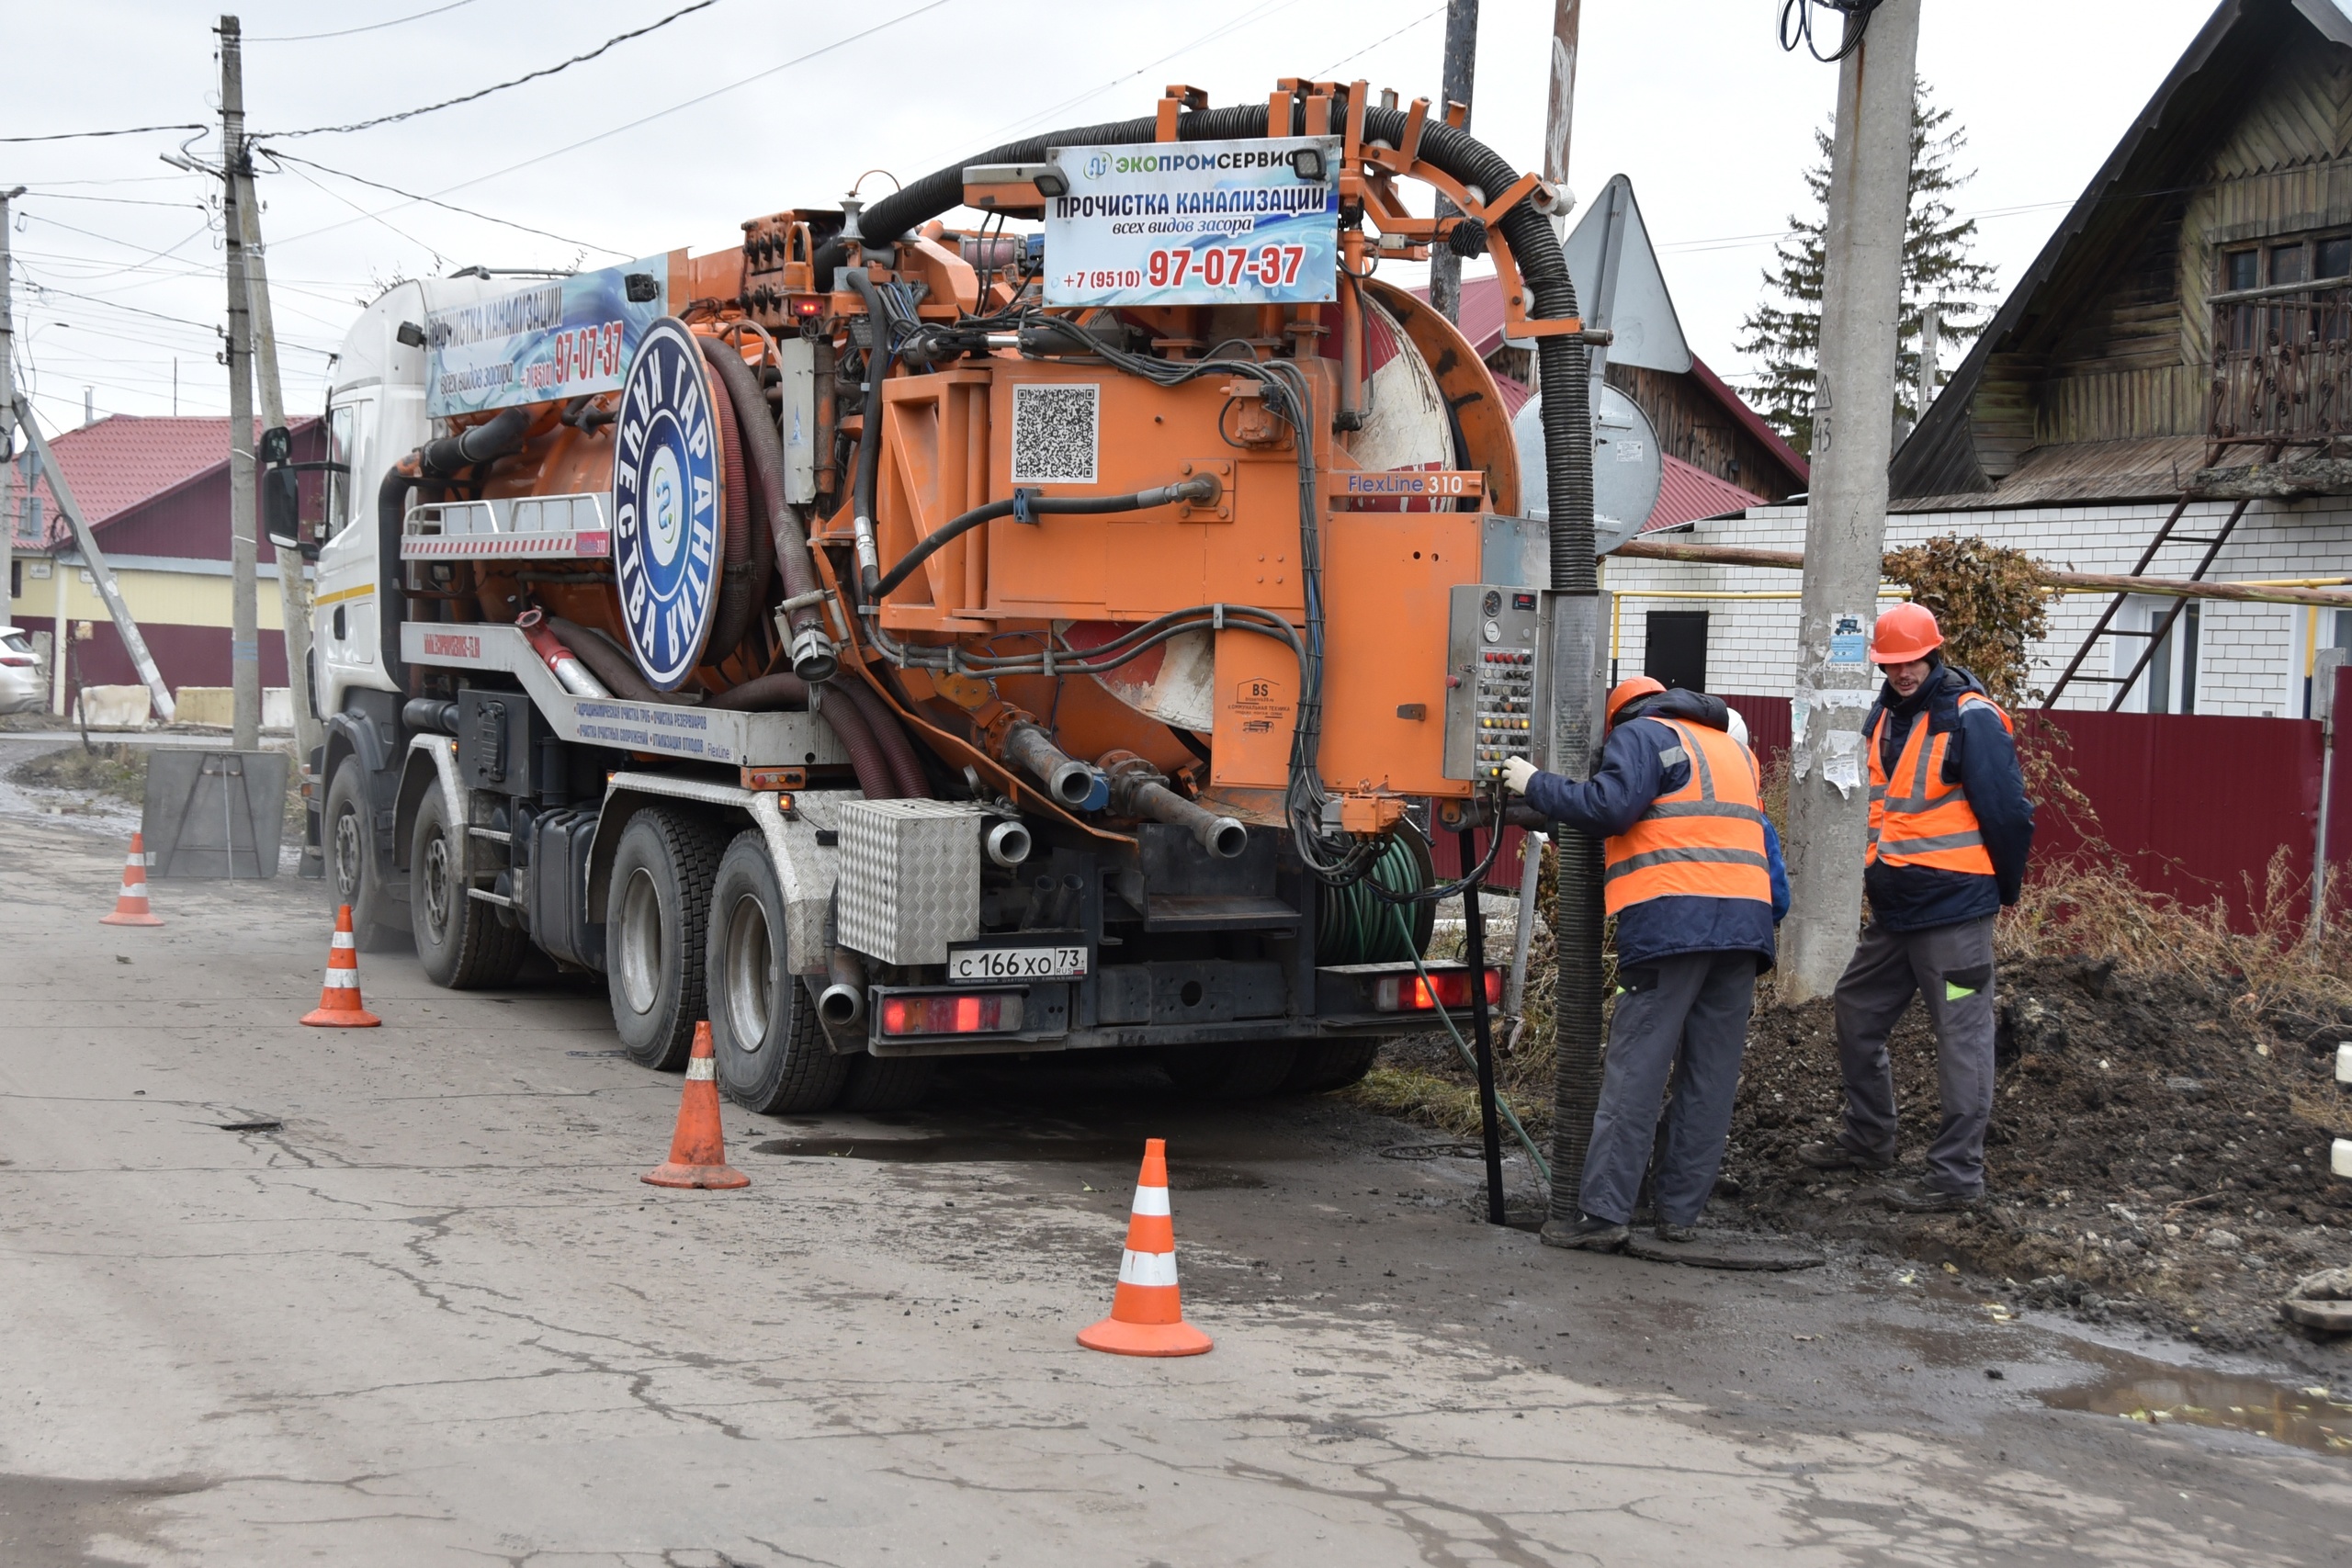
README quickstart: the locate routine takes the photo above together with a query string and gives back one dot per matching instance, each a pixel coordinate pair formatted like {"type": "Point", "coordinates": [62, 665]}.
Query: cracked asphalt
{"type": "Point", "coordinates": [433, 1317]}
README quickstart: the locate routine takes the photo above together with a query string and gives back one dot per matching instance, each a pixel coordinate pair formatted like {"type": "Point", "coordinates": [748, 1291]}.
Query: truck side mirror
{"type": "Point", "coordinates": [281, 504]}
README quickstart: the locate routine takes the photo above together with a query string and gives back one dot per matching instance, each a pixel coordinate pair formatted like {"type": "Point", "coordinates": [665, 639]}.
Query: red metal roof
{"type": "Point", "coordinates": [126, 460]}
{"type": "Point", "coordinates": [1685, 493]}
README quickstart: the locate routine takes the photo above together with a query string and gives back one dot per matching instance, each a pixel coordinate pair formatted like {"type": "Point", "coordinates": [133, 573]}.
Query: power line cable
{"type": "Point", "coordinates": [370, 27]}
{"type": "Point", "coordinates": [430, 202]}
{"type": "Point", "coordinates": [85, 135]}
{"type": "Point", "coordinates": [493, 87]}
{"type": "Point", "coordinates": [1325, 74]}
{"type": "Point", "coordinates": [1220, 31]}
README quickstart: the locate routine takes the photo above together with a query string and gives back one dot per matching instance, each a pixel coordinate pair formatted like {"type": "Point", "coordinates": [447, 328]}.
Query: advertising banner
{"type": "Point", "coordinates": [1196, 223]}
{"type": "Point", "coordinates": [564, 337]}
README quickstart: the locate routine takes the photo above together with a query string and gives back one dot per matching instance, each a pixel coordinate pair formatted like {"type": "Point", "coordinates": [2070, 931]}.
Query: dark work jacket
{"type": "Point", "coordinates": [1983, 760]}
{"type": "Point", "coordinates": [1630, 777]}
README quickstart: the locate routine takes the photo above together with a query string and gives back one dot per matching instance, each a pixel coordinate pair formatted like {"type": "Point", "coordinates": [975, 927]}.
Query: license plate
{"type": "Point", "coordinates": [1017, 964]}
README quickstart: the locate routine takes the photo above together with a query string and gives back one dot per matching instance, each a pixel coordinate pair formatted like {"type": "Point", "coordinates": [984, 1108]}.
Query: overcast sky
{"type": "Point", "coordinates": [119, 256]}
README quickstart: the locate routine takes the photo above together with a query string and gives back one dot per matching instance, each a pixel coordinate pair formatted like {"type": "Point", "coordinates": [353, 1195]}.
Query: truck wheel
{"type": "Point", "coordinates": [657, 923]}
{"type": "Point", "coordinates": [887, 1083]}
{"type": "Point", "coordinates": [773, 1053]}
{"type": "Point", "coordinates": [345, 827]}
{"type": "Point", "coordinates": [1325, 1065]}
{"type": "Point", "coordinates": [1230, 1072]}
{"type": "Point", "coordinates": [461, 940]}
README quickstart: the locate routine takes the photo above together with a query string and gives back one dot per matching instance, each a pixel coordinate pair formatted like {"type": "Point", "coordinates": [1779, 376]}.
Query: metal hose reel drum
{"type": "Point", "coordinates": [1627, 467]}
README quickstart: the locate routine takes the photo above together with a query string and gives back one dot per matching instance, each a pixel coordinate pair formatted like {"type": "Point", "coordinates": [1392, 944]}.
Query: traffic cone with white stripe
{"type": "Point", "coordinates": [1146, 1311]}
{"type": "Point", "coordinates": [130, 905]}
{"type": "Point", "coordinates": [339, 1005]}
{"type": "Point", "coordinates": [699, 1149]}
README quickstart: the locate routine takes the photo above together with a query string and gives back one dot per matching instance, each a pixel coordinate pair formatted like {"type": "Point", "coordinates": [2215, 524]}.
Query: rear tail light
{"type": "Point", "coordinates": [989, 1013]}
{"type": "Point", "coordinates": [1445, 989]}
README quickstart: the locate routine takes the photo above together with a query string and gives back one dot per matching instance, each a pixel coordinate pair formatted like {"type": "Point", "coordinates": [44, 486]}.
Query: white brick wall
{"type": "Point", "coordinates": [2253, 659]}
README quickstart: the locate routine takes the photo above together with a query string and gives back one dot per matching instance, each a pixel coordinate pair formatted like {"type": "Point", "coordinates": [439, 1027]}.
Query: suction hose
{"type": "Point", "coordinates": [763, 693]}
{"type": "Point", "coordinates": [1138, 789]}
{"type": "Point", "coordinates": [897, 752]}
{"type": "Point", "coordinates": [875, 780]}
{"type": "Point", "coordinates": [736, 528]}
{"type": "Point", "coordinates": [812, 654]}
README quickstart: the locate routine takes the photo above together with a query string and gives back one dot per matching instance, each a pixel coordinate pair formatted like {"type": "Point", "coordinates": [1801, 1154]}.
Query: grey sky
{"type": "Point", "coordinates": [1692, 98]}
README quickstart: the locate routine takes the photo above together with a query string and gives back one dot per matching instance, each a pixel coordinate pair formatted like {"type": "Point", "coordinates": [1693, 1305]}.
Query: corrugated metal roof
{"type": "Point", "coordinates": [1685, 493]}
{"type": "Point", "coordinates": [126, 460]}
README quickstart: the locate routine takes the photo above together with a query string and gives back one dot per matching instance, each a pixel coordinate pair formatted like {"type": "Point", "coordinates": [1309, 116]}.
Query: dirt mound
{"type": "Point", "coordinates": [2159, 1146]}
{"type": "Point", "coordinates": [105, 768]}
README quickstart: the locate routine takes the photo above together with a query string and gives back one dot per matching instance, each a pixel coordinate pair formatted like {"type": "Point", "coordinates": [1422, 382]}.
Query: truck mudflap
{"type": "Point", "coordinates": [798, 845]}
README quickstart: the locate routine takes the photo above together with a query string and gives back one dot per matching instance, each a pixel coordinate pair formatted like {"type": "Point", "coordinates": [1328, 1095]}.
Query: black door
{"type": "Point", "coordinates": [1674, 654]}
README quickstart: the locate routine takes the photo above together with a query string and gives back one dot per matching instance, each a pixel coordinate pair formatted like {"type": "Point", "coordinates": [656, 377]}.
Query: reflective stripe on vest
{"type": "Point", "coordinates": [1706, 840]}
{"type": "Point", "coordinates": [1916, 817]}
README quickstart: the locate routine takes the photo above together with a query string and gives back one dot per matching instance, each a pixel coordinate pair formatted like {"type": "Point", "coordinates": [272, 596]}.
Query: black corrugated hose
{"type": "Point", "coordinates": [1564, 381]}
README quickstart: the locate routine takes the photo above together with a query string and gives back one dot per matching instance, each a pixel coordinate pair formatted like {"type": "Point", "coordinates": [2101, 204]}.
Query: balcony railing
{"type": "Point", "coordinates": [2282, 364]}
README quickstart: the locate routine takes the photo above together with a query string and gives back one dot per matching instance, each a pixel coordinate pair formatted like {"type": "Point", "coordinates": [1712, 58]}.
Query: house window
{"type": "Point", "coordinates": [2168, 685]}
{"type": "Point", "coordinates": [2281, 263]}
{"type": "Point", "coordinates": [1674, 650]}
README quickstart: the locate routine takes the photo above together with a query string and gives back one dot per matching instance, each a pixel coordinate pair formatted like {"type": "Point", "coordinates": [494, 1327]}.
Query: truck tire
{"type": "Point", "coordinates": [1326, 1064]}
{"type": "Point", "coordinates": [461, 940]}
{"type": "Point", "coordinates": [773, 1053]}
{"type": "Point", "coordinates": [887, 1083]}
{"type": "Point", "coordinates": [1230, 1072]}
{"type": "Point", "coordinates": [346, 833]}
{"type": "Point", "coordinates": [656, 925]}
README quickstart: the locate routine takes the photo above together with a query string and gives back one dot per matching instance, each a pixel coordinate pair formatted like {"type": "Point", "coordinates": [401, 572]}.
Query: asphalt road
{"type": "Point", "coordinates": [431, 1317]}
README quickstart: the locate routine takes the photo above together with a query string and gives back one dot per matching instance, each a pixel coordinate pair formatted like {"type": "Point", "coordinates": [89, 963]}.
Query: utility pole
{"type": "Point", "coordinates": [1931, 323]}
{"type": "Point", "coordinates": [1562, 108]}
{"type": "Point", "coordinates": [1461, 65]}
{"type": "Point", "coordinates": [244, 634]}
{"type": "Point", "coordinates": [9, 412]}
{"type": "Point", "coordinates": [1870, 171]}
{"type": "Point", "coordinates": [293, 591]}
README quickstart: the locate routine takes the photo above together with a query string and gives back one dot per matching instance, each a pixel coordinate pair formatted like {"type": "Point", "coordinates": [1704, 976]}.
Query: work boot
{"type": "Point", "coordinates": [1907, 1197]}
{"type": "Point", "coordinates": [1587, 1232]}
{"type": "Point", "coordinates": [1838, 1157]}
{"type": "Point", "coordinates": [1678, 1234]}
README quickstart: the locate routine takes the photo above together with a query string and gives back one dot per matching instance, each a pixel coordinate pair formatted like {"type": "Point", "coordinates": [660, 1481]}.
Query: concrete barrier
{"type": "Point", "coordinates": [116, 707]}
{"type": "Point", "coordinates": [215, 707]}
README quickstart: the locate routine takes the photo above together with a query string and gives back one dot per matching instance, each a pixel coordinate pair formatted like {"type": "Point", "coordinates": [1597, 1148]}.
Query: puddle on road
{"type": "Point", "coordinates": [2160, 1395]}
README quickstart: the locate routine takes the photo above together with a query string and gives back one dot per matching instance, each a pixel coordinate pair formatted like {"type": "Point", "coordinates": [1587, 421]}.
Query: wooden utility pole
{"type": "Point", "coordinates": [7, 413]}
{"type": "Point", "coordinates": [1869, 176]}
{"type": "Point", "coordinates": [1461, 65]}
{"type": "Point", "coordinates": [1562, 109]}
{"type": "Point", "coordinates": [293, 590]}
{"type": "Point", "coordinates": [244, 633]}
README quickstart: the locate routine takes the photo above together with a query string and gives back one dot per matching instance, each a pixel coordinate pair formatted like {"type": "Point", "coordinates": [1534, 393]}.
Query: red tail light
{"type": "Point", "coordinates": [1443, 988]}
{"type": "Point", "coordinates": [987, 1014]}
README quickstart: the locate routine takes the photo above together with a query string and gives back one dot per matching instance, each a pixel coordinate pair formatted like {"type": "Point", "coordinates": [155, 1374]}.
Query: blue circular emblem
{"type": "Point", "coordinates": [665, 504]}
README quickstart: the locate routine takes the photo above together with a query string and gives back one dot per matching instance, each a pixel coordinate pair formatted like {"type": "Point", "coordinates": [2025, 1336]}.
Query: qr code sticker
{"type": "Point", "coordinates": [1056, 434]}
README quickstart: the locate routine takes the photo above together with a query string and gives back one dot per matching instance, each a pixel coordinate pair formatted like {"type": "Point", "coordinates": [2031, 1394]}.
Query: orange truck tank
{"type": "Point", "coordinates": [903, 635]}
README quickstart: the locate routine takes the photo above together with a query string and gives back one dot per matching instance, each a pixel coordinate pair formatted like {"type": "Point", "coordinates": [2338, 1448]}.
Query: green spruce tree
{"type": "Point", "coordinates": [1784, 330]}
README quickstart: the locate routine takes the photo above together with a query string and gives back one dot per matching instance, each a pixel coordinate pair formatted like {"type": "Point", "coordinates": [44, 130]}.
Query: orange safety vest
{"type": "Point", "coordinates": [1706, 840]}
{"type": "Point", "coordinates": [1931, 823]}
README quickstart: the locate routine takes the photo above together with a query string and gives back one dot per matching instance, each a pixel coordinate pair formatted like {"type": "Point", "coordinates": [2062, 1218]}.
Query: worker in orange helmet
{"type": "Point", "coordinates": [1949, 831]}
{"type": "Point", "coordinates": [1694, 878]}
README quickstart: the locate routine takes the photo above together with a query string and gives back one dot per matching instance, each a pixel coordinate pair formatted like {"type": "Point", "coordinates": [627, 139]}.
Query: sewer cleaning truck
{"type": "Point", "coordinates": [887, 639]}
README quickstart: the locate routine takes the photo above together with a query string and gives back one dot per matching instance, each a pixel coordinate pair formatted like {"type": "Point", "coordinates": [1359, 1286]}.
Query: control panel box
{"type": "Point", "coordinates": [1493, 639]}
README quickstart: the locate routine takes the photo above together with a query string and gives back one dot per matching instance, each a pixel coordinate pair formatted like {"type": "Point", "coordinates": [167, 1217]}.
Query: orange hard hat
{"type": "Point", "coordinates": [1906, 634]}
{"type": "Point", "coordinates": [1624, 692]}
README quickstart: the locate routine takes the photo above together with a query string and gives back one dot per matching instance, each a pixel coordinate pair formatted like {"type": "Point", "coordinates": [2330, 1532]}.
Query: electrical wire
{"type": "Point", "coordinates": [1543, 1166]}
{"type": "Point", "coordinates": [1325, 74]}
{"type": "Point", "coordinates": [370, 27]}
{"type": "Point", "coordinates": [494, 87]}
{"type": "Point", "coordinates": [1796, 25]}
{"type": "Point", "coordinates": [430, 202]}
{"type": "Point", "coordinates": [1222, 29]}
{"type": "Point", "coordinates": [85, 135]}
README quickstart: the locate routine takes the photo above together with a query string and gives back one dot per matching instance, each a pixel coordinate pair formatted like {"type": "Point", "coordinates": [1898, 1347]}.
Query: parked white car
{"type": "Point", "coordinates": [21, 688]}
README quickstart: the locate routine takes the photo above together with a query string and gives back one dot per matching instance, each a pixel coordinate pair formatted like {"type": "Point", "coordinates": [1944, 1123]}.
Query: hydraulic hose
{"type": "Point", "coordinates": [763, 693]}
{"type": "Point", "coordinates": [813, 658]}
{"type": "Point", "coordinates": [848, 722]}
{"type": "Point", "coordinates": [906, 768]}
{"type": "Point", "coordinates": [391, 512]}
{"type": "Point", "coordinates": [869, 437]}
{"type": "Point", "coordinates": [1201, 487]}
{"type": "Point", "coordinates": [736, 527]}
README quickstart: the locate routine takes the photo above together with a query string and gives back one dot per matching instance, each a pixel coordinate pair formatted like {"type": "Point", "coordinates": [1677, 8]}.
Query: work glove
{"type": "Point", "coordinates": [1517, 770]}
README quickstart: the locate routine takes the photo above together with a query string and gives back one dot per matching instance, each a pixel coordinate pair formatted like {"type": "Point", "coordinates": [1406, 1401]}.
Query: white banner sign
{"type": "Point", "coordinates": [1196, 223]}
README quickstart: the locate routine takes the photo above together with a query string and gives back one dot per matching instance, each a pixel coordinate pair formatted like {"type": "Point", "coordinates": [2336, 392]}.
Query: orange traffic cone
{"type": "Point", "coordinates": [1146, 1311]}
{"type": "Point", "coordinates": [130, 905]}
{"type": "Point", "coordinates": [339, 1006]}
{"type": "Point", "coordinates": [698, 1150]}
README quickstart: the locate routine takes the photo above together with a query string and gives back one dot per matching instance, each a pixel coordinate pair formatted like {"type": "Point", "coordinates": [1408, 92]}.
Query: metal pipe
{"type": "Point", "coordinates": [1008, 844]}
{"type": "Point", "coordinates": [609, 665]}
{"type": "Point", "coordinates": [1138, 789]}
{"type": "Point", "coordinates": [1070, 781]}
{"type": "Point", "coordinates": [431, 714]}
{"type": "Point", "coordinates": [843, 1001]}
{"type": "Point", "coordinates": [575, 675]}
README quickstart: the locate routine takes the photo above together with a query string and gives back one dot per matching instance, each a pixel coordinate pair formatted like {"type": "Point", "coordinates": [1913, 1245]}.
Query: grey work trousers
{"type": "Point", "coordinates": [1686, 1016]}
{"type": "Point", "coordinates": [1951, 968]}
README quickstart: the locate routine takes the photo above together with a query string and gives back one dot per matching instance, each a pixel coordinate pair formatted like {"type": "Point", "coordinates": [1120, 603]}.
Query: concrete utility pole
{"type": "Point", "coordinates": [9, 411]}
{"type": "Point", "coordinates": [293, 590]}
{"type": "Point", "coordinates": [1870, 177]}
{"type": "Point", "coordinates": [1461, 65]}
{"type": "Point", "coordinates": [244, 634]}
{"type": "Point", "coordinates": [1562, 108]}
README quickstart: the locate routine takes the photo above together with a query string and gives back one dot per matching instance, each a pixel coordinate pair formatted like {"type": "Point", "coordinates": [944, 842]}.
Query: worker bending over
{"type": "Point", "coordinates": [1694, 878]}
{"type": "Point", "coordinates": [1949, 831]}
